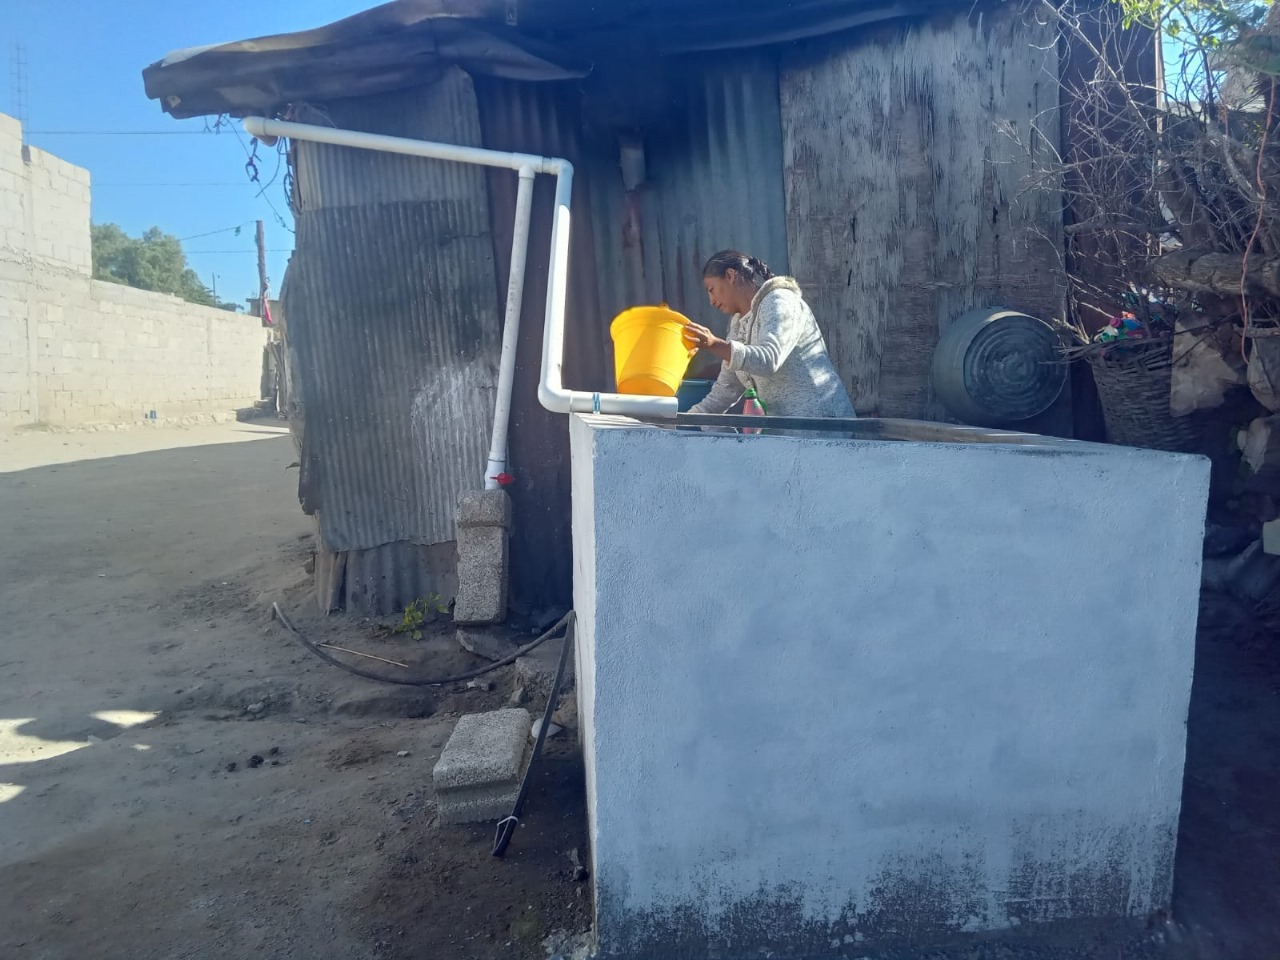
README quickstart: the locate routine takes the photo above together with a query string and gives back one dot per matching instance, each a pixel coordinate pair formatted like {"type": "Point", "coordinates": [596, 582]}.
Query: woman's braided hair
{"type": "Point", "coordinates": [746, 269]}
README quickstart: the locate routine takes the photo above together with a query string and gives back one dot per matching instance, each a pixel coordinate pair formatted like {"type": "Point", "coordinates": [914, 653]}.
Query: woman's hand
{"type": "Point", "coordinates": [701, 338]}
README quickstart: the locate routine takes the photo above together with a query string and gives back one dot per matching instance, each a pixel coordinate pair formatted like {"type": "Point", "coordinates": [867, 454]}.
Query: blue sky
{"type": "Point", "coordinates": [84, 73]}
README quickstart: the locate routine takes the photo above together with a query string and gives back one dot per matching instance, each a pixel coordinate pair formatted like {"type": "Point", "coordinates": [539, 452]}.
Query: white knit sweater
{"type": "Point", "coordinates": [778, 350]}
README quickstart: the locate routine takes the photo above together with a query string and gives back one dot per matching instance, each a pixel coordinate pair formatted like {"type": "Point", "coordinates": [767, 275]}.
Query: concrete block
{"type": "Point", "coordinates": [483, 519]}
{"type": "Point", "coordinates": [484, 508]}
{"type": "Point", "coordinates": [478, 775]}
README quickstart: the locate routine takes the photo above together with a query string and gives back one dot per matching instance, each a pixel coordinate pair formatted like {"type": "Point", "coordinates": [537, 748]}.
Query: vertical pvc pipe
{"type": "Point", "coordinates": [497, 463]}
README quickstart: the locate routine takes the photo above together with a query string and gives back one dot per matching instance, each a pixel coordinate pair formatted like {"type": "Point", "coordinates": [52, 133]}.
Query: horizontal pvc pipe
{"type": "Point", "coordinates": [262, 127]}
{"type": "Point", "coordinates": [551, 391]}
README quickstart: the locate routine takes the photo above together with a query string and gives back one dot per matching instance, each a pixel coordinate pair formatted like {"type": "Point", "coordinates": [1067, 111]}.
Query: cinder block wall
{"type": "Point", "coordinates": [75, 351]}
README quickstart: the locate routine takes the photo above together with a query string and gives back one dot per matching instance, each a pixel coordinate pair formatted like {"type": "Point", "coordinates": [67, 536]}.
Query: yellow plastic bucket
{"type": "Point", "coordinates": [650, 355]}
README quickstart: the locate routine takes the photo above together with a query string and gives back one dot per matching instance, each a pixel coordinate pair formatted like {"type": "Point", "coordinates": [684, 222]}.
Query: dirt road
{"type": "Point", "coordinates": [178, 778]}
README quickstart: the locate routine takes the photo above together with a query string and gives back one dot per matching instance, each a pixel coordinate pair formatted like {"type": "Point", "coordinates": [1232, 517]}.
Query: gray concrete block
{"type": "Point", "coordinates": [478, 775]}
{"type": "Point", "coordinates": [482, 557]}
{"type": "Point", "coordinates": [484, 749]}
{"type": "Point", "coordinates": [477, 806]}
{"type": "Point", "coordinates": [484, 508]}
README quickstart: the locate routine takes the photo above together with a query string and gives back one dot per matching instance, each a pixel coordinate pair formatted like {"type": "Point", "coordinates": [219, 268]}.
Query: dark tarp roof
{"type": "Point", "coordinates": [406, 43]}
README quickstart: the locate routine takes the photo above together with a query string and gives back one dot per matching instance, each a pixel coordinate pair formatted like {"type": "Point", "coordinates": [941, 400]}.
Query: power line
{"type": "Point", "coordinates": [212, 233]}
{"type": "Point", "coordinates": [251, 167]}
{"type": "Point", "coordinates": [212, 183]}
{"type": "Point", "coordinates": [254, 252]}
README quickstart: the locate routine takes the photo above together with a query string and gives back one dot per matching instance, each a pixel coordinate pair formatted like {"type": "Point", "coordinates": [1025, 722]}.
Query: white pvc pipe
{"type": "Point", "coordinates": [497, 464]}
{"type": "Point", "coordinates": [551, 391]}
{"type": "Point", "coordinates": [263, 128]}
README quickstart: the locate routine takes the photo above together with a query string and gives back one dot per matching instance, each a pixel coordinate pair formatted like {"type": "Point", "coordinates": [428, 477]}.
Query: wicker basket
{"type": "Point", "coordinates": [1134, 381]}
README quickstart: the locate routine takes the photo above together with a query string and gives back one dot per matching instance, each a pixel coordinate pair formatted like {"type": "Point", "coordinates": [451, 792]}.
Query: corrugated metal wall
{"type": "Point", "coordinates": [714, 181]}
{"type": "Point", "coordinates": [395, 331]}
{"type": "Point", "coordinates": [895, 207]}
{"type": "Point", "coordinates": [544, 119]}
{"type": "Point", "coordinates": [907, 199]}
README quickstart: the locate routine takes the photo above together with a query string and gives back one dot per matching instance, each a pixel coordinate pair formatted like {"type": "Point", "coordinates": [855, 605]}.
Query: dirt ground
{"type": "Point", "coordinates": [179, 779]}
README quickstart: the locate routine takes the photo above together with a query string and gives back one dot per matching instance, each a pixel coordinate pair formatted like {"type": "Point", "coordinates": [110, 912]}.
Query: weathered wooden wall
{"type": "Point", "coordinates": [907, 199]}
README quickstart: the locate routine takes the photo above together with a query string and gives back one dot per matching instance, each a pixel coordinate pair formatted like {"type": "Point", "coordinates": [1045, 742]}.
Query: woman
{"type": "Point", "coordinates": [774, 345]}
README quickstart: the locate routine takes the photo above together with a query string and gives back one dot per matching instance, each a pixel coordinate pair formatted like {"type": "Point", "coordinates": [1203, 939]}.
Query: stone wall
{"type": "Point", "coordinates": [839, 696]}
{"type": "Point", "coordinates": [76, 351]}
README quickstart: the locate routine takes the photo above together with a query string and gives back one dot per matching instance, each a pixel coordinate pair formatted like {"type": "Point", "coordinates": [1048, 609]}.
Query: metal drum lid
{"type": "Point", "coordinates": [996, 367]}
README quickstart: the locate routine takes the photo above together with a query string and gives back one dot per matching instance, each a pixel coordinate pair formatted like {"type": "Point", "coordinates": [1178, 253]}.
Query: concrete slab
{"type": "Point", "coordinates": [478, 775]}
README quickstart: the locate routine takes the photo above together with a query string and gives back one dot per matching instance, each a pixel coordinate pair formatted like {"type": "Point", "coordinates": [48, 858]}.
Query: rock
{"type": "Point", "coordinates": [275, 695]}
{"type": "Point", "coordinates": [1221, 540]}
{"type": "Point", "coordinates": [536, 670]}
{"type": "Point", "coordinates": [563, 945]}
{"type": "Point", "coordinates": [1250, 576]}
{"type": "Point", "coordinates": [546, 618]}
{"type": "Point", "coordinates": [1271, 538]}
{"type": "Point", "coordinates": [231, 767]}
{"type": "Point", "coordinates": [518, 696]}
{"type": "Point", "coordinates": [494, 643]}
{"type": "Point", "coordinates": [255, 761]}
{"type": "Point", "coordinates": [480, 684]}
{"type": "Point", "coordinates": [402, 753]}
{"type": "Point", "coordinates": [567, 715]}
{"type": "Point", "coordinates": [273, 751]}
{"type": "Point", "coordinates": [579, 872]}
{"type": "Point", "coordinates": [552, 730]}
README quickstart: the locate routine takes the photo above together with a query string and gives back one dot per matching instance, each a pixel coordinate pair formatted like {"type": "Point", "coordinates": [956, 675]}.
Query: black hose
{"type": "Point", "coordinates": [327, 657]}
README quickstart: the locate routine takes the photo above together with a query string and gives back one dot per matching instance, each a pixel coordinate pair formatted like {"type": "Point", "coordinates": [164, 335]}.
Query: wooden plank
{"type": "Point", "coordinates": [906, 204]}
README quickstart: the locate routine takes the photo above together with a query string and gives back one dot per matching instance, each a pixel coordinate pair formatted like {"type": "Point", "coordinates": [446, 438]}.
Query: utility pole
{"type": "Point", "coordinates": [264, 306]}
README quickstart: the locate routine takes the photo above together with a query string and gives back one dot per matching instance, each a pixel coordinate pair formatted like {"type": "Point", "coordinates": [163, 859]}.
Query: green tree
{"type": "Point", "coordinates": [154, 261]}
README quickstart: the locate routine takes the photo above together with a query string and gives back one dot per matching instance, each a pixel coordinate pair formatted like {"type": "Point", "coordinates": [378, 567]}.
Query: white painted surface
{"type": "Point", "coordinates": [875, 690]}
{"type": "Point", "coordinates": [77, 351]}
